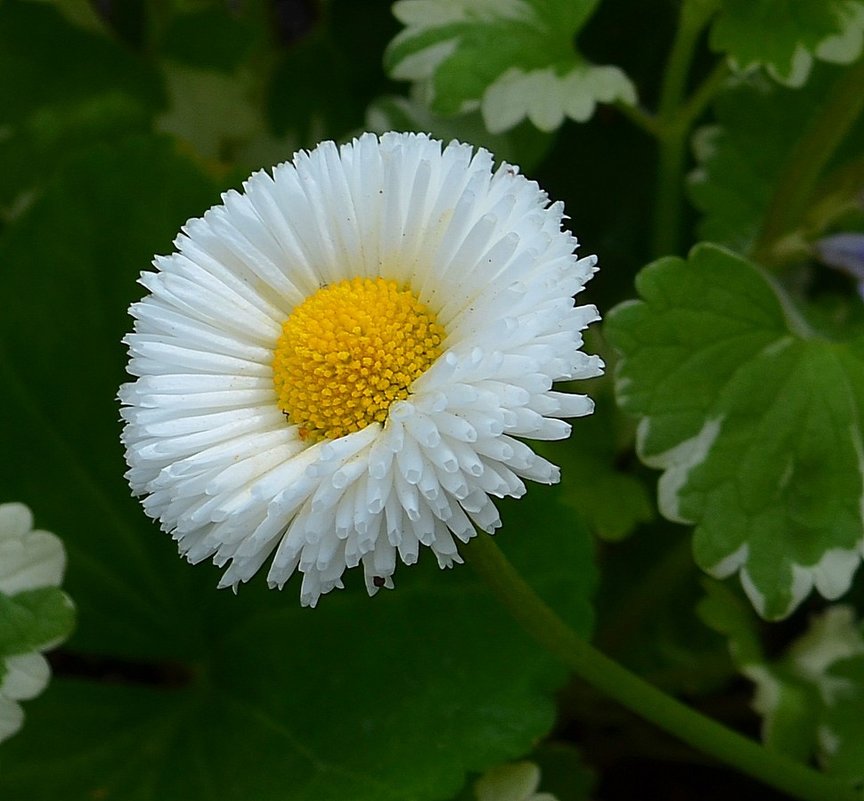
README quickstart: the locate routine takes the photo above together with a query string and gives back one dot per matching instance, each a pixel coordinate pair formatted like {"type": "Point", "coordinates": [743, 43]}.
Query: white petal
{"type": "Point", "coordinates": [220, 466]}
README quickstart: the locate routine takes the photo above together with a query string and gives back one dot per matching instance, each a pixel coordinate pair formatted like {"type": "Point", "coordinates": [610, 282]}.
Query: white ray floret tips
{"type": "Point", "coordinates": [338, 365]}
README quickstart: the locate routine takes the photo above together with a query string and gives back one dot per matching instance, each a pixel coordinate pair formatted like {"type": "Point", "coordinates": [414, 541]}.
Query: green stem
{"type": "Point", "coordinates": [611, 678]}
{"type": "Point", "coordinates": [703, 94]}
{"type": "Point", "coordinates": [639, 117]}
{"type": "Point", "coordinates": [674, 127]}
{"type": "Point", "coordinates": [794, 188]}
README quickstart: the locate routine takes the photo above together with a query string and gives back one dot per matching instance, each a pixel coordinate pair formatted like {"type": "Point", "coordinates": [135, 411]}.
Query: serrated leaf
{"type": "Point", "coordinates": [34, 613]}
{"type": "Point", "coordinates": [741, 157]}
{"type": "Point", "coordinates": [785, 36]}
{"type": "Point", "coordinates": [511, 60]}
{"type": "Point", "coordinates": [274, 702]}
{"type": "Point", "coordinates": [755, 421]}
{"type": "Point", "coordinates": [785, 702]}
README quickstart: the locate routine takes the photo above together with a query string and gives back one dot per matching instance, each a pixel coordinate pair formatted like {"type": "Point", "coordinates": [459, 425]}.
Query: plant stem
{"type": "Point", "coordinates": [639, 117]}
{"type": "Point", "coordinates": [674, 127]}
{"type": "Point", "coordinates": [611, 678]}
{"type": "Point", "coordinates": [842, 107]}
{"type": "Point", "coordinates": [703, 94]}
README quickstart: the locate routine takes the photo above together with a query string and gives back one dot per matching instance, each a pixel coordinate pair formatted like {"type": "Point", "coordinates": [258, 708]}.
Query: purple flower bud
{"type": "Point", "coordinates": [843, 252]}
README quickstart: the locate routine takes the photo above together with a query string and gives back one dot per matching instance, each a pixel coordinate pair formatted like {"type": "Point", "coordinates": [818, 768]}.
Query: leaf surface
{"type": "Point", "coordinates": [741, 158]}
{"type": "Point", "coordinates": [755, 421]}
{"type": "Point", "coordinates": [785, 36]}
{"type": "Point", "coordinates": [811, 698]}
{"type": "Point", "coordinates": [512, 60]}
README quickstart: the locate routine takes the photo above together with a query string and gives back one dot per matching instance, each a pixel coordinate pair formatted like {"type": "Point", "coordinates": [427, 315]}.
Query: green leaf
{"type": "Point", "coordinates": [741, 158]}
{"type": "Point", "coordinates": [785, 36]}
{"type": "Point", "coordinates": [842, 731]}
{"type": "Point", "coordinates": [34, 613]}
{"type": "Point", "coordinates": [343, 53]}
{"type": "Point", "coordinates": [511, 60]}
{"type": "Point", "coordinates": [72, 262]}
{"type": "Point", "coordinates": [34, 620]}
{"type": "Point", "coordinates": [215, 113]}
{"type": "Point", "coordinates": [53, 61]}
{"type": "Point", "coordinates": [610, 499]}
{"type": "Point", "coordinates": [523, 144]}
{"type": "Point", "coordinates": [214, 79]}
{"type": "Point", "coordinates": [212, 38]}
{"type": "Point", "coordinates": [723, 611]}
{"type": "Point", "coordinates": [755, 421]}
{"type": "Point", "coordinates": [811, 699]}
{"type": "Point", "coordinates": [330, 703]}
{"type": "Point", "coordinates": [68, 89]}
{"type": "Point", "coordinates": [783, 699]}
{"type": "Point", "coordinates": [563, 772]}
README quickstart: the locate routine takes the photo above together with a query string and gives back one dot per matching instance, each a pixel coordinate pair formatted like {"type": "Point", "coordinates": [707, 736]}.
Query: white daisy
{"type": "Point", "coordinates": [336, 364]}
{"type": "Point", "coordinates": [29, 560]}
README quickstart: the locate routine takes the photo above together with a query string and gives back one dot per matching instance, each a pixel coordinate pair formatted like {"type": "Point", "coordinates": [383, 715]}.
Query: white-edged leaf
{"type": "Point", "coordinates": [514, 60]}
{"type": "Point", "coordinates": [785, 36]}
{"type": "Point", "coordinates": [755, 421]}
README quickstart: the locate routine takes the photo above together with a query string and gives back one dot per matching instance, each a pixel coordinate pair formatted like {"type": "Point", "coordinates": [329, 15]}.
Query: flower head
{"type": "Point", "coordinates": [337, 364]}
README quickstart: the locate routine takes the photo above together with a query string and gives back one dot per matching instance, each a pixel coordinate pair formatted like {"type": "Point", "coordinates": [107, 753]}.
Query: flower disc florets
{"type": "Point", "coordinates": [348, 352]}
{"type": "Point", "coordinates": [337, 365]}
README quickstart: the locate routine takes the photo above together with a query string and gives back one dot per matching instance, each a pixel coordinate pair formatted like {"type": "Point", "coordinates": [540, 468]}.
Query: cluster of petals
{"type": "Point", "coordinates": [231, 478]}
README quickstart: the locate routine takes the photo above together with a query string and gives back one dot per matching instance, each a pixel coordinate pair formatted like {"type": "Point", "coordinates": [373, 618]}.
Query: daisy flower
{"type": "Point", "coordinates": [337, 365]}
{"type": "Point", "coordinates": [29, 560]}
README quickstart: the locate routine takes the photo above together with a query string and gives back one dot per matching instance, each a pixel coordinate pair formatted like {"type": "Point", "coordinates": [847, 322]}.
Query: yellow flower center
{"type": "Point", "coordinates": [348, 352]}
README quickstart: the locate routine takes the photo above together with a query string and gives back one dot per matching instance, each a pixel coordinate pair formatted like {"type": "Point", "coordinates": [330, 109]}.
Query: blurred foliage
{"type": "Point", "coordinates": [741, 157]}
{"type": "Point", "coordinates": [785, 37]}
{"type": "Point", "coordinates": [121, 119]}
{"type": "Point", "coordinates": [809, 697]}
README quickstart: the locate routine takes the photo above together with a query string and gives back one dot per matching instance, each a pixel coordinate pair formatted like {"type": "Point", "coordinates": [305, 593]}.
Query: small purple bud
{"type": "Point", "coordinates": [843, 252]}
